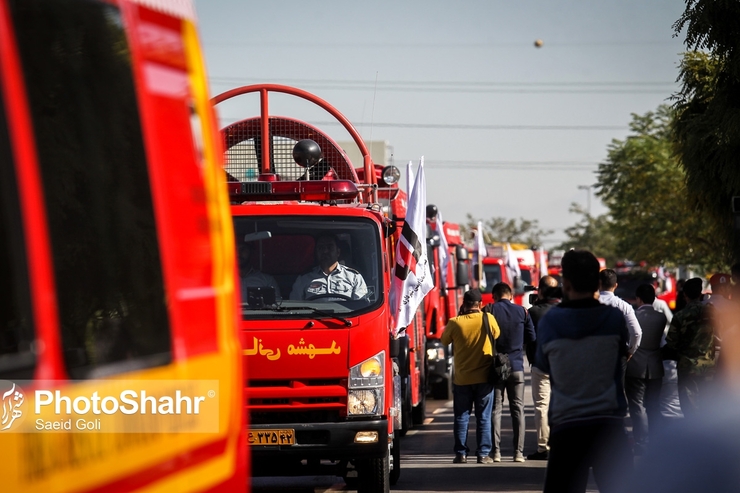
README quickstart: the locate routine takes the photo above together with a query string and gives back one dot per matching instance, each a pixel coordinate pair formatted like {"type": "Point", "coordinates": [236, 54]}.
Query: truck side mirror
{"type": "Point", "coordinates": [462, 276]}
{"type": "Point", "coordinates": [476, 274]}
{"type": "Point", "coordinates": [461, 252]}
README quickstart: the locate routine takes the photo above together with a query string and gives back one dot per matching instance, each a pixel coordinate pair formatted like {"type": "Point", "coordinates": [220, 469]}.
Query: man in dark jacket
{"type": "Point", "coordinates": [644, 374]}
{"type": "Point", "coordinates": [548, 295]}
{"type": "Point", "coordinates": [582, 345]}
{"type": "Point", "coordinates": [691, 339]}
{"type": "Point", "coordinates": [516, 330]}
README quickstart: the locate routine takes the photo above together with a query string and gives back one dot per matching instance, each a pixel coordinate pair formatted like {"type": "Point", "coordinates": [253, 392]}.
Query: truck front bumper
{"type": "Point", "coordinates": [326, 441]}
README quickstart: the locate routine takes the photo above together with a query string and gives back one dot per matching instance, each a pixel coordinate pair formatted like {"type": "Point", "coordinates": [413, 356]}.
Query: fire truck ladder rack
{"type": "Point", "coordinates": [259, 150]}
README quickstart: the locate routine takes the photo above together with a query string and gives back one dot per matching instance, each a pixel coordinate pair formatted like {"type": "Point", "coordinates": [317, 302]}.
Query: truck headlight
{"type": "Point", "coordinates": [367, 387]}
{"type": "Point", "coordinates": [362, 402]}
{"type": "Point", "coordinates": [436, 354]}
{"type": "Point", "coordinates": [369, 373]}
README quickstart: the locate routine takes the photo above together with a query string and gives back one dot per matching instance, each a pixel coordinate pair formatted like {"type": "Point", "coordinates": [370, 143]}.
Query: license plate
{"type": "Point", "coordinates": [272, 437]}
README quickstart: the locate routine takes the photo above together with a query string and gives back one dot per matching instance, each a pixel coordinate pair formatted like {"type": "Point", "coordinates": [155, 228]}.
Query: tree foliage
{"type": "Point", "coordinates": [707, 125]}
{"type": "Point", "coordinates": [593, 233]}
{"type": "Point", "coordinates": [644, 187]}
{"type": "Point", "coordinates": [500, 229]}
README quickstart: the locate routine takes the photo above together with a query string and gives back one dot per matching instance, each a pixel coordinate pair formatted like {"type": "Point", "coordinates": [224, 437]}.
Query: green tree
{"type": "Point", "coordinates": [591, 233]}
{"type": "Point", "coordinates": [644, 187]}
{"type": "Point", "coordinates": [707, 126]}
{"type": "Point", "coordinates": [500, 229]}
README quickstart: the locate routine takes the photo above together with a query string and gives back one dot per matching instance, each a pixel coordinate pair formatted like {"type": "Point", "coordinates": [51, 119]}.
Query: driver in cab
{"type": "Point", "coordinates": [329, 276]}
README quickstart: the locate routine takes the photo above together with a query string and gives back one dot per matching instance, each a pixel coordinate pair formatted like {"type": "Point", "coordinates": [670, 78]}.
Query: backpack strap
{"type": "Point", "coordinates": [486, 327]}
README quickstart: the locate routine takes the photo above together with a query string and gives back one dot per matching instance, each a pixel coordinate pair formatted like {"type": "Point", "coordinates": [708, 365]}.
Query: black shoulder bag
{"type": "Point", "coordinates": [500, 369]}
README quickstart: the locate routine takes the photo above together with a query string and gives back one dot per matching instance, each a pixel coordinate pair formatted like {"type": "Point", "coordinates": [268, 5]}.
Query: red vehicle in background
{"type": "Point", "coordinates": [631, 274]}
{"type": "Point", "coordinates": [495, 271]}
{"type": "Point", "coordinates": [326, 373]}
{"type": "Point", "coordinates": [116, 248]}
{"type": "Point", "coordinates": [451, 280]}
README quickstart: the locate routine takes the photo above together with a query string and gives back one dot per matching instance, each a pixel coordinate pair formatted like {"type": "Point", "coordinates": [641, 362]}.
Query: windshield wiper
{"type": "Point", "coordinates": [347, 323]}
{"type": "Point", "coordinates": [316, 311]}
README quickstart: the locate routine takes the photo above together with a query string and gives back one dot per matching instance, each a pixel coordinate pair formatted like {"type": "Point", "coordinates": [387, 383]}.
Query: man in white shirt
{"type": "Point", "coordinates": [670, 407]}
{"type": "Point", "coordinates": [607, 285]}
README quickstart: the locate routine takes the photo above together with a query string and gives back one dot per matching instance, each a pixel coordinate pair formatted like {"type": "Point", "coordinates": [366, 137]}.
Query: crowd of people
{"type": "Point", "coordinates": [607, 377]}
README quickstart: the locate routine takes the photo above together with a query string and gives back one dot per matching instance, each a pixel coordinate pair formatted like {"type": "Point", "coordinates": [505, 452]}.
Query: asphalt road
{"type": "Point", "coordinates": [426, 461]}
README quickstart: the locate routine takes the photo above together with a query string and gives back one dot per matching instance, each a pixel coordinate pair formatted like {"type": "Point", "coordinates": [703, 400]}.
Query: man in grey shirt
{"type": "Point", "coordinates": [329, 277]}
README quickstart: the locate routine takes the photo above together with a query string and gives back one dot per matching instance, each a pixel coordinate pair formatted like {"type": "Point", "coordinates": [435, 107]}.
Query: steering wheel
{"type": "Point", "coordinates": [330, 295]}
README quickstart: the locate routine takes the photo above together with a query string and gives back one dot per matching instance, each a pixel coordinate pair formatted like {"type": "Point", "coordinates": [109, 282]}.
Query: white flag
{"type": "Point", "coordinates": [480, 252]}
{"type": "Point", "coordinates": [444, 249]}
{"type": "Point", "coordinates": [543, 264]}
{"type": "Point", "coordinates": [512, 263]}
{"type": "Point", "coordinates": [409, 179]}
{"type": "Point", "coordinates": [412, 278]}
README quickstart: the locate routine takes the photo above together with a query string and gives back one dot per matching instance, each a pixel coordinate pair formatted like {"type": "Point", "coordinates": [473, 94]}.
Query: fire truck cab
{"type": "Point", "coordinates": [325, 393]}
{"type": "Point", "coordinates": [495, 270]}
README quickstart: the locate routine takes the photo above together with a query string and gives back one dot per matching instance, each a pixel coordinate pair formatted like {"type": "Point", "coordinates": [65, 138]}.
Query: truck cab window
{"type": "Point", "coordinates": [290, 256]}
{"type": "Point", "coordinates": [107, 270]}
{"type": "Point", "coordinates": [493, 276]}
{"type": "Point", "coordinates": [16, 324]}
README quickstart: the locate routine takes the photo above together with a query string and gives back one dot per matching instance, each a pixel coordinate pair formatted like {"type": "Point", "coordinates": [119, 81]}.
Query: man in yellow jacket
{"type": "Point", "coordinates": [473, 356]}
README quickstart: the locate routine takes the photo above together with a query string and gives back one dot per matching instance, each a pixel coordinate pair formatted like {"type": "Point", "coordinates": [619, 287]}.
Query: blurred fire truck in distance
{"type": "Point", "coordinates": [631, 274]}
{"type": "Point", "coordinates": [116, 243]}
{"type": "Point", "coordinates": [495, 270]}
{"type": "Point", "coordinates": [451, 280]}
{"type": "Point", "coordinates": [326, 373]}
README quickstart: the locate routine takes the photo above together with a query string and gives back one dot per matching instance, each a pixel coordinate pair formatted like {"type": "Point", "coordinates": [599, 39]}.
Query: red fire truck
{"type": "Point", "coordinates": [443, 301]}
{"type": "Point", "coordinates": [631, 274]}
{"type": "Point", "coordinates": [116, 250]}
{"type": "Point", "coordinates": [325, 373]}
{"type": "Point", "coordinates": [495, 270]}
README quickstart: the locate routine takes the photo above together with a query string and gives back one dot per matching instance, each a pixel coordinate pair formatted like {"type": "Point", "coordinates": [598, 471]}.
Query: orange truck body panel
{"type": "Point", "coordinates": [63, 97]}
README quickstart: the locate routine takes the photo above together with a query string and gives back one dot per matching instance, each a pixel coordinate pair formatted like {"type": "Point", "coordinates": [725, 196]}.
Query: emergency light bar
{"type": "Point", "coordinates": [318, 190]}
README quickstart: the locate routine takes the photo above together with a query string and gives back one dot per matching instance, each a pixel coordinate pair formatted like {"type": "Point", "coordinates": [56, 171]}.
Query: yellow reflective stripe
{"type": "Point", "coordinates": [220, 225]}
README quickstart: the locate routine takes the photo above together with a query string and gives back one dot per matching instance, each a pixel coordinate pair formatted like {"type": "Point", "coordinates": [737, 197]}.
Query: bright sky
{"type": "Point", "coordinates": [506, 129]}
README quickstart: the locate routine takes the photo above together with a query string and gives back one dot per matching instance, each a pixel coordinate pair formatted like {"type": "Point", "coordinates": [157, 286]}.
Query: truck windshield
{"type": "Point", "coordinates": [493, 276]}
{"type": "Point", "coordinates": [627, 284]}
{"type": "Point", "coordinates": [308, 267]}
{"type": "Point", "coordinates": [524, 280]}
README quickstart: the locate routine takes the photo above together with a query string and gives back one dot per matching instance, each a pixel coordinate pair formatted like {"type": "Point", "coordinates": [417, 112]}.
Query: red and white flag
{"type": "Point", "coordinates": [478, 254]}
{"type": "Point", "coordinates": [444, 249]}
{"type": "Point", "coordinates": [412, 278]}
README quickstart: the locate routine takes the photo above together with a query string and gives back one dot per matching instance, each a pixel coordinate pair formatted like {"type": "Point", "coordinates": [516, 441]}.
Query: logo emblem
{"type": "Point", "coordinates": [12, 398]}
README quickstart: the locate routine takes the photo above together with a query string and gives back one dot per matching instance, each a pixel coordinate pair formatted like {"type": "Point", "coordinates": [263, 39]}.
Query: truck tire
{"type": "Point", "coordinates": [406, 421]}
{"type": "Point", "coordinates": [419, 413]}
{"type": "Point", "coordinates": [396, 454]}
{"type": "Point", "coordinates": [374, 476]}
